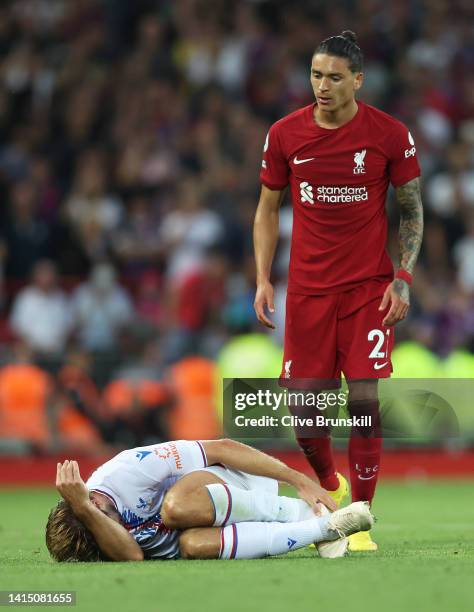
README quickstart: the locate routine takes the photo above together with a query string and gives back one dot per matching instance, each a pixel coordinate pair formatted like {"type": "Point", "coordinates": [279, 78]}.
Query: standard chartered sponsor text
{"type": "Point", "coordinates": [337, 195]}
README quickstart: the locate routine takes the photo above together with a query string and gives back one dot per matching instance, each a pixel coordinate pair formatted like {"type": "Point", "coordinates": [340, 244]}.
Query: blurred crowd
{"type": "Point", "coordinates": [130, 148]}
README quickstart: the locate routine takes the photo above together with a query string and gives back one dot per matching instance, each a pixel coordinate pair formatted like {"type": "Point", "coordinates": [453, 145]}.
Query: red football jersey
{"type": "Point", "coordinates": [339, 180]}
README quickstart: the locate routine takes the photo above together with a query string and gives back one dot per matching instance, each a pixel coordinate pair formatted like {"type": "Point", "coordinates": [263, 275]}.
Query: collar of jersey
{"type": "Point", "coordinates": [341, 127]}
{"type": "Point", "coordinates": [108, 493]}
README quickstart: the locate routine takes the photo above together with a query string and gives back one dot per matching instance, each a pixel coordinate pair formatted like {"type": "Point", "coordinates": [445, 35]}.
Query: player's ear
{"type": "Point", "coordinates": [358, 80]}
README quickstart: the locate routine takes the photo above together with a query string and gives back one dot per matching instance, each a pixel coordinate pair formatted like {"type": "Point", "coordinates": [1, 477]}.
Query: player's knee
{"type": "Point", "coordinates": [363, 390]}
{"type": "Point", "coordinates": [366, 414]}
{"type": "Point", "coordinates": [192, 545]}
{"type": "Point", "coordinates": [173, 512]}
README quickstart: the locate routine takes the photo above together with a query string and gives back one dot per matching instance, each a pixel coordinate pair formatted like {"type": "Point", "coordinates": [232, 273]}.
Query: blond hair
{"type": "Point", "coordinates": [68, 539]}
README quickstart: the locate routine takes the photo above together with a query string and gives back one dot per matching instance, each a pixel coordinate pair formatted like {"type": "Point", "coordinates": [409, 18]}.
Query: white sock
{"type": "Point", "coordinates": [234, 505]}
{"type": "Point", "coordinates": [256, 540]}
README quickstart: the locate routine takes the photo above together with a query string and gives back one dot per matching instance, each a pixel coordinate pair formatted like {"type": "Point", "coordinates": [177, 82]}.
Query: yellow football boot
{"type": "Point", "coordinates": [340, 493]}
{"type": "Point", "coordinates": [362, 542]}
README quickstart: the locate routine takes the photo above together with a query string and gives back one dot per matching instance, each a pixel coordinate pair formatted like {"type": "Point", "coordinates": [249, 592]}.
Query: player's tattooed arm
{"type": "Point", "coordinates": [397, 293]}
{"type": "Point", "coordinates": [411, 223]}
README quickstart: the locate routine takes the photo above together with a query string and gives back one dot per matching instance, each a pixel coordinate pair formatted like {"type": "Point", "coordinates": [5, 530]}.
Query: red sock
{"type": "Point", "coordinates": [365, 447]}
{"type": "Point", "coordinates": [364, 462]}
{"type": "Point", "coordinates": [318, 452]}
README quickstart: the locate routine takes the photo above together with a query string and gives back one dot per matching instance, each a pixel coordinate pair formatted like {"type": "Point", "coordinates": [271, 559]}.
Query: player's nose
{"type": "Point", "coordinates": [323, 86]}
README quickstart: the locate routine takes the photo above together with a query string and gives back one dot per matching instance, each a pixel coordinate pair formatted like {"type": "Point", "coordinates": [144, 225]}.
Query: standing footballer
{"type": "Point", "coordinates": [339, 156]}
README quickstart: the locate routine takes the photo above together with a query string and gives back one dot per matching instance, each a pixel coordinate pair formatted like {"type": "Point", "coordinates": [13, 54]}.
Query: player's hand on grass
{"type": "Point", "coordinates": [264, 298]}
{"type": "Point", "coordinates": [71, 486]}
{"type": "Point", "coordinates": [314, 494]}
{"type": "Point", "coordinates": [397, 295]}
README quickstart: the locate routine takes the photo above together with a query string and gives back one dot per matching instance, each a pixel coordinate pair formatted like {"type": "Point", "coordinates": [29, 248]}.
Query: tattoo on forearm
{"type": "Point", "coordinates": [411, 223]}
{"type": "Point", "coordinates": [402, 289]}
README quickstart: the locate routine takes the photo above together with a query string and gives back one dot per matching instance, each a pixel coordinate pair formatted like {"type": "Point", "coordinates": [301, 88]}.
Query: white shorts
{"type": "Point", "coordinates": [164, 544]}
{"type": "Point", "coordinates": [242, 480]}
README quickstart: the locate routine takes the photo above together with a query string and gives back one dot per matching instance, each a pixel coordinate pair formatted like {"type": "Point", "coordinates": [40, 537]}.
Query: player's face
{"type": "Point", "coordinates": [334, 85]}
{"type": "Point", "coordinates": [105, 506]}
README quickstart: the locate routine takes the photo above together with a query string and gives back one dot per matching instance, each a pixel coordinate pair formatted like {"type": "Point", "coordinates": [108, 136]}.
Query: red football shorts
{"type": "Point", "coordinates": [329, 334]}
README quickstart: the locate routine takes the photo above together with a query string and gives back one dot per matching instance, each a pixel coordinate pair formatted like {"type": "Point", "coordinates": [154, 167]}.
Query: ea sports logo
{"type": "Point", "coordinates": [410, 152]}
{"type": "Point", "coordinates": [306, 192]}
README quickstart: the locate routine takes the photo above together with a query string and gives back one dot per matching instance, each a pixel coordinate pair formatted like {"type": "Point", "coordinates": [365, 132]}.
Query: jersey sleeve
{"type": "Point", "coordinates": [146, 466]}
{"type": "Point", "coordinates": [275, 170]}
{"type": "Point", "coordinates": [171, 459]}
{"type": "Point", "coordinates": [403, 161]}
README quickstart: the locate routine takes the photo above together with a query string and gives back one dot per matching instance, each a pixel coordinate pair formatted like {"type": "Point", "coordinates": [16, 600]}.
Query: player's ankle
{"type": "Point", "coordinates": [330, 482]}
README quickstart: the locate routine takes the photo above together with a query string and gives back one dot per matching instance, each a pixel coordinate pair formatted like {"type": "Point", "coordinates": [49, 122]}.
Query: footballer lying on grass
{"type": "Point", "coordinates": [216, 499]}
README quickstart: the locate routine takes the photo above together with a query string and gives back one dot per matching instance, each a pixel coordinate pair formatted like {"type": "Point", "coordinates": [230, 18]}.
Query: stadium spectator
{"type": "Point", "coordinates": [27, 238]}
{"type": "Point", "coordinates": [101, 310]}
{"type": "Point", "coordinates": [136, 409]}
{"type": "Point", "coordinates": [92, 212]}
{"type": "Point", "coordinates": [80, 405]}
{"type": "Point", "coordinates": [193, 381]}
{"type": "Point", "coordinates": [137, 400]}
{"type": "Point", "coordinates": [27, 405]}
{"type": "Point", "coordinates": [188, 230]}
{"type": "Point", "coordinates": [41, 313]}
{"type": "Point", "coordinates": [136, 242]}
{"type": "Point", "coordinates": [46, 188]}
{"type": "Point", "coordinates": [149, 300]}
{"type": "Point", "coordinates": [451, 191]}
{"type": "Point", "coordinates": [195, 305]}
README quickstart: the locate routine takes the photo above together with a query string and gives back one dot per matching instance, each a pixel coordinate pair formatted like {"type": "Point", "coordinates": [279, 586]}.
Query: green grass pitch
{"type": "Point", "coordinates": [425, 563]}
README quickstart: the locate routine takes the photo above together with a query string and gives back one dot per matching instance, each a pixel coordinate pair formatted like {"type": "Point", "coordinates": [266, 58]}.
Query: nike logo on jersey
{"type": "Point", "coordinates": [379, 366]}
{"type": "Point", "coordinates": [366, 477]}
{"type": "Point", "coordinates": [297, 161]}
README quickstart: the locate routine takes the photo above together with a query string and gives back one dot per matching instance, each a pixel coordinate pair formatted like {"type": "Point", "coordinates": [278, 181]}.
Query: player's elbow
{"type": "Point", "coordinates": [217, 451]}
{"type": "Point", "coordinates": [127, 553]}
{"type": "Point", "coordinates": [227, 443]}
{"type": "Point", "coordinates": [227, 446]}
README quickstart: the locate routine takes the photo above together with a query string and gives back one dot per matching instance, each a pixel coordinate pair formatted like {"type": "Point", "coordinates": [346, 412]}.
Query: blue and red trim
{"type": "Point", "coordinates": [229, 506]}
{"type": "Point", "coordinates": [221, 551]}
{"type": "Point", "coordinates": [203, 453]}
{"type": "Point", "coordinates": [235, 541]}
{"type": "Point", "coordinates": [233, 552]}
{"type": "Point", "coordinates": [213, 505]}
